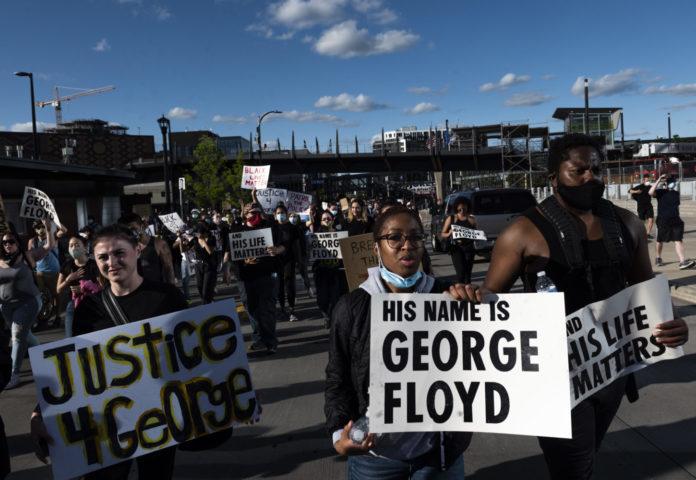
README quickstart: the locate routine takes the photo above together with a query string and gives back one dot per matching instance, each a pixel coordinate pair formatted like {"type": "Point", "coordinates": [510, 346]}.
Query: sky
{"type": "Point", "coordinates": [352, 65]}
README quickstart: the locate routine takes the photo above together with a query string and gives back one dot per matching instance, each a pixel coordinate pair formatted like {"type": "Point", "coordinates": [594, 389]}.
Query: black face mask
{"type": "Point", "coordinates": [582, 197]}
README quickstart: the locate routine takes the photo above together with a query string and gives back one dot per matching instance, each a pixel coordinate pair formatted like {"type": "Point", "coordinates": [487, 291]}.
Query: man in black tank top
{"type": "Point", "coordinates": [531, 244]}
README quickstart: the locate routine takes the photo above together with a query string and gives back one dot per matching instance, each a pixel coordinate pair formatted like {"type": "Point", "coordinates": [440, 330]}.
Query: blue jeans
{"type": "Point", "coordinates": [69, 315]}
{"type": "Point", "coordinates": [368, 467]}
{"type": "Point", "coordinates": [20, 317]}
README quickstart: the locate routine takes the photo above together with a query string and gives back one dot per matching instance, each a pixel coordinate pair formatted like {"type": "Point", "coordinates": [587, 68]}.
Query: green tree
{"type": "Point", "coordinates": [212, 181]}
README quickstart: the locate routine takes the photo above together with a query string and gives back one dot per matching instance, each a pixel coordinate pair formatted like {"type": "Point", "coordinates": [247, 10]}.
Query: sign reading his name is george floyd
{"type": "Point", "coordinates": [438, 364]}
{"type": "Point", "coordinates": [254, 177]}
{"type": "Point", "coordinates": [612, 338]}
{"type": "Point", "coordinates": [131, 390]}
{"type": "Point", "coordinates": [36, 205]}
{"type": "Point", "coordinates": [173, 222]}
{"type": "Point", "coordinates": [325, 246]}
{"type": "Point", "coordinates": [250, 243]}
{"type": "Point", "coordinates": [358, 254]}
{"type": "Point", "coordinates": [459, 232]}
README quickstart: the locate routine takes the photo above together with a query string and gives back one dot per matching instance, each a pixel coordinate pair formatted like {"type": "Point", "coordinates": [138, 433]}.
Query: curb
{"type": "Point", "coordinates": [686, 293]}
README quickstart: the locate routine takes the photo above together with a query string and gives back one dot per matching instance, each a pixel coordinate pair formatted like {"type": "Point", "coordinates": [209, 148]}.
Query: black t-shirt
{"type": "Point", "coordinates": [91, 271]}
{"type": "Point", "coordinates": [667, 203]}
{"type": "Point", "coordinates": [202, 254]}
{"type": "Point", "coordinates": [643, 198]}
{"type": "Point", "coordinates": [289, 236]}
{"type": "Point", "coordinates": [149, 300]}
{"type": "Point", "coordinates": [221, 234]}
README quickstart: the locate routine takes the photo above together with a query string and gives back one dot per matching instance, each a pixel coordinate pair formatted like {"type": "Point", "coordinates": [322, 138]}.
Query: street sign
{"type": "Point", "coordinates": [182, 183]}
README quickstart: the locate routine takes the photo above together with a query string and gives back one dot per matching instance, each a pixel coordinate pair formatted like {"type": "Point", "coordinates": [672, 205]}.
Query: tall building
{"type": "Point", "coordinates": [602, 121]}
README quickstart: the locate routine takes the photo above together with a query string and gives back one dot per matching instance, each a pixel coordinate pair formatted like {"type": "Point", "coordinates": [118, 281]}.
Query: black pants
{"type": "Point", "coordinates": [286, 285]}
{"type": "Point", "coordinates": [158, 465]}
{"type": "Point", "coordinates": [573, 459]}
{"type": "Point", "coordinates": [330, 283]}
{"type": "Point", "coordinates": [206, 276]}
{"type": "Point", "coordinates": [463, 261]}
{"type": "Point", "coordinates": [260, 292]}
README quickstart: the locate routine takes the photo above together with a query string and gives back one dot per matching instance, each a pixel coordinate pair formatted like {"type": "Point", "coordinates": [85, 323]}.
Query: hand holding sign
{"type": "Point", "coordinates": [255, 177]}
{"type": "Point", "coordinates": [38, 206]}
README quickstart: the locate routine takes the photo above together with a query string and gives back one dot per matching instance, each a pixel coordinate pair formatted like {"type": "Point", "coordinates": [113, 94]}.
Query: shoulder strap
{"type": "Point", "coordinates": [569, 233]}
{"type": "Point", "coordinates": [112, 307]}
{"type": "Point", "coordinates": [613, 237]}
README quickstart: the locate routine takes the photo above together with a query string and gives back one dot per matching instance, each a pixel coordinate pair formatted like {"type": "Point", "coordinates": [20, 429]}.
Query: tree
{"type": "Point", "coordinates": [212, 180]}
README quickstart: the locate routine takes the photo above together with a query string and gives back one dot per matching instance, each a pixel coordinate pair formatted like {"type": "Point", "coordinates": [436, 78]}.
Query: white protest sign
{"type": "Point", "coordinates": [612, 338]}
{"type": "Point", "coordinates": [173, 222]}
{"type": "Point", "coordinates": [325, 246]}
{"type": "Point", "coordinates": [250, 243]}
{"type": "Point", "coordinates": [298, 202]}
{"type": "Point", "coordinates": [255, 177]}
{"type": "Point", "coordinates": [438, 364]}
{"type": "Point", "coordinates": [426, 219]}
{"type": "Point", "coordinates": [269, 198]}
{"type": "Point", "coordinates": [131, 390]}
{"type": "Point", "coordinates": [38, 206]}
{"type": "Point", "coordinates": [459, 232]}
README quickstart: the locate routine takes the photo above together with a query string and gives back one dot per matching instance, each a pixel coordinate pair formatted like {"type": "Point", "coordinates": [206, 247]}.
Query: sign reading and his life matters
{"type": "Point", "coordinates": [173, 222]}
{"type": "Point", "coordinates": [255, 177]}
{"type": "Point", "coordinates": [36, 205]}
{"type": "Point", "coordinates": [133, 389]}
{"type": "Point", "coordinates": [358, 254]}
{"type": "Point", "coordinates": [250, 243]}
{"type": "Point", "coordinates": [612, 338]}
{"type": "Point", "coordinates": [438, 364]}
{"type": "Point", "coordinates": [268, 198]}
{"type": "Point", "coordinates": [325, 246]}
{"type": "Point", "coordinates": [459, 232]}
{"type": "Point", "coordinates": [4, 227]}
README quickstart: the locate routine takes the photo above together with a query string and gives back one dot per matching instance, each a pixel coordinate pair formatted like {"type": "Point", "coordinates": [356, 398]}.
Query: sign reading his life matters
{"type": "Point", "coordinates": [269, 198]}
{"type": "Point", "coordinates": [358, 254]}
{"type": "Point", "coordinates": [441, 364]}
{"type": "Point", "coordinates": [459, 233]}
{"type": "Point", "coordinates": [255, 177]}
{"type": "Point", "coordinates": [325, 246]}
{"type": "Point", "coordinates": [612, 338]}
{"type": "Point", "coordinates": [38, 206]}
{"type": "Point", "coordinates": [250, 243]}
{"type": "Point", "coordinates": [173, 222]}
{"type": "Point", "coordinates": [131, 390]}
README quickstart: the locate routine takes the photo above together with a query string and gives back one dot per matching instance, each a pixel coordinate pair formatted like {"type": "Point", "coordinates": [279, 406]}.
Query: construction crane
{"type": "Point", "coordinates": [58, 100]}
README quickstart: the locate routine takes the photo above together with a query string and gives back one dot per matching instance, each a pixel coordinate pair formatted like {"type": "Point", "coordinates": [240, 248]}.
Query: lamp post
{"type": "Point", "coordinates": [587, 108]}
{"type": "Point", "coordinates": [165, 125]}
{"type": "Point", "coordinates": [258, 129]}
{"type": "Point", "coordinates": [35, 153]}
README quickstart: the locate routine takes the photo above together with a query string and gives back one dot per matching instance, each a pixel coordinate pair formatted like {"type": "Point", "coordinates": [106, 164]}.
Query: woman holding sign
{"type": "Point", "coordinates": [329, 276]}
{"type": "Point", "coordinates": [461, 249]}
{"type": "Point", "coordinates": [399, 244]}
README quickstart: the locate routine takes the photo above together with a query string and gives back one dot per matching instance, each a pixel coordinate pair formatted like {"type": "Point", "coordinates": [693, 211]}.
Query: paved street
{"type": "Point", "coordinates": [652, 439]}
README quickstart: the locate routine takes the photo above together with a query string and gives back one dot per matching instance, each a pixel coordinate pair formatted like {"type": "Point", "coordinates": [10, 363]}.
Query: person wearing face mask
{"type": "Point", "coordinates": [206, 264]}
{"type": "Point", "coordinates": [290, 238]}
{"type": "Point", "coordinates": [155, 262]}
{"type": "Point", "coordinates": [47, 269]}
{"type": "Point", "coordinates": [329, 276]}
{"type": "Point", "coordinates": [338, 220]}
{"type": "Point", "coordinates": [670, 226]}
{"type": "Point", "coordinates": [641, 194]}
{"type": "Point", "coordinates": [80, 276]}
{"type": "Point", "coordinates": [399, 245]}
{"type": "Point", "coordinates": [591, 250]}
{"type": "Point", "coordinates": [462, 249]}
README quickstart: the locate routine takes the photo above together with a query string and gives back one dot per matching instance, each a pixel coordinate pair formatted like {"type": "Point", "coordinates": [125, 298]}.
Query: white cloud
{"type": "Point", "coordinates": [681, 106]}
{"type": "Point", "coordinates": [623, 81]}
{"type": "Point", "coordinates": [527, 99]}
{"type": "Point", "coordinates": [365, 6]}
{"type": "Point", "coordinates": [26, 126]}
{"type": "Point", "coordinates": [102, 46]}
{"type": "Point", "coordinates": [423, 107]}
{"type": "Point", "coordinates": [182, 113]}
{"type": "Point", "coordinates": [308, 117]}
{"type": "Point", "coordinates": [548, 76]}
{"type": "Point", "coordinates": [345, 40]}
{"type": "Point", "coordinates": [261, 29]}
{"type": "Point", "coordinates": [351, 103]}
{"type": "Point", "coordinates": [161, 13]}
{"type": "Point", "coordinates": [682, 89]}
{"type": "Point", "coordinates": [230, 119]}
{"type": "Point", "coordinates": [384, 16]}
{"type": "Point", "coordinates": [420, 90]}
{"type": "Point", "coordinates": [308, 39]}
{"type": "Point", "coordinates": [300, 14]}
{"type": "Point", "coordinates": [506, 81]}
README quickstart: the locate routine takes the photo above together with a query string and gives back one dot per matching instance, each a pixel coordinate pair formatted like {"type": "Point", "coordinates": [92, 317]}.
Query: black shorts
{"type": "Point", "coordinates": [670, 229]}
{"type": "Point", "coordinates": [646, 211]}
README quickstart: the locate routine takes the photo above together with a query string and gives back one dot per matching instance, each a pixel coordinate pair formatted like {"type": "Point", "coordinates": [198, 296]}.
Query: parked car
{"type": "Point", "coordinates": [494, 210]}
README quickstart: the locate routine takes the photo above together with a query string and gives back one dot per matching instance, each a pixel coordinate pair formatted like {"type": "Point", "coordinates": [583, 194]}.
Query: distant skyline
{"type": "Point", "coordinates": [355, 65]}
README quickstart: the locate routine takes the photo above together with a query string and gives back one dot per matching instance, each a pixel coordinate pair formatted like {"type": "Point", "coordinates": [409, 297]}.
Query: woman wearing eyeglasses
{"type": "Point", "coordinates": [329, 276]}
{"type": "Point", "coordinates": [462, 249]}
{"type": "Point", "coordinates": [20, 299]}
{"type": "Point", "coordinates": [399, 245]}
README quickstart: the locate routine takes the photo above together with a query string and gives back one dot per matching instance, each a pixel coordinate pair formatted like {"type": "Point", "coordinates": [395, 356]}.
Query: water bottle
{"type": "Point", "coordinates": [544, 283]}
{"type": "Point", "coordinates": [359, 430]}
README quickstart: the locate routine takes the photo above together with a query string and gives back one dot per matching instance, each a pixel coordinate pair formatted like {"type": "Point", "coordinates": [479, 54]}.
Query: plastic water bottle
{"type": "Point", "coordinates": [544, 283]}
{"type": "Point", "coordinates": [359, 430]}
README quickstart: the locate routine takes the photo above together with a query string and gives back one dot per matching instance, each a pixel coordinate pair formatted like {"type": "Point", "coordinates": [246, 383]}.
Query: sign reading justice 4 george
{"type": "Point", "coordinates": [438, 364]}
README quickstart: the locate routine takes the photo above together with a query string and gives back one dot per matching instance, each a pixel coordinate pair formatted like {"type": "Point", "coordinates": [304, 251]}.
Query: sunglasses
{"type": "Point", "coordinates": [9, 242]}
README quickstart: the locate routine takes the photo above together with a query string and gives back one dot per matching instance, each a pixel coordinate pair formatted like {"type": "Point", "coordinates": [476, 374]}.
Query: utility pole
{"type": "Point", "coordinates": [586, 122]}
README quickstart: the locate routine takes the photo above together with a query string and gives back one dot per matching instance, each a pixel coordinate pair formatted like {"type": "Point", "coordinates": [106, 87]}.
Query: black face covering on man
{"type": "Point", "coordinates": [583, 197]}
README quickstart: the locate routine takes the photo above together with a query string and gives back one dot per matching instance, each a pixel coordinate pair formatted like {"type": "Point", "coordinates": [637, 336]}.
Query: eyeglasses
{"type": "Point", "coordinates": [398, 240]}
{"type": "Point", "coordinates": [9, 242]}
{"type": "Point", "coordinates": [461, 210]}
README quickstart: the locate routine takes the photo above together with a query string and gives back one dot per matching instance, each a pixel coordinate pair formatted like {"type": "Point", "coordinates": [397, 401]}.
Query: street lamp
{"type": "Point", "coordinates": [258, 129]}
{"type": "Point", "coordinates": [35, 153]}
{"type": "Point", "coordinates": [165, 125]}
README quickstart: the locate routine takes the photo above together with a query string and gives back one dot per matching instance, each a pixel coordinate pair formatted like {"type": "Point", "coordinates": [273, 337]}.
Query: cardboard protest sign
{"type": "Point", "coordinates": [268, 198]}
{"type": "Point", "coordinates": [255, 177]}
{"type": "Point", "coordinates": [173, 222]}
{"type": "Point", "coordinates": [298, 202]}
{"type": "Point", "coordinates": [131, 390]}
{"type": "Point", "coordinates": [325, 246]}
{"type": "Point", "coordinates": [358, 255]}
{"type": "Point", "coordinates": [438, 364]}
{"type": "Point", "coordinates": [459, 232]}
{"type": "Point", "coordinates": [612, 338]}
{"type": "Point", "coordinates": [345, 205]}
{"type": "Point", "coordinates": [36, 205]}
{"type": "Point", "coordinates": [426, 219]}
{"type": "Point", "coordinates": [250, 243]}
{"type": "Point", "coordinates": [4, 226]}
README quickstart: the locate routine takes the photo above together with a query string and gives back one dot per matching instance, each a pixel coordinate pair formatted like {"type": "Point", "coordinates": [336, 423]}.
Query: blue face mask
{"type": "Point", "coordinates": [397, 280]}
{"type": "Point", "coordinates": [281, 217]}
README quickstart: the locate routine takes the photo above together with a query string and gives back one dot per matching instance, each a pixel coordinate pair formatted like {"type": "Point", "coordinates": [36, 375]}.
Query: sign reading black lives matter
{"type": "Point", "coordinates": [325, 246]}
{"type": "Point", "coordinates": [438, 364]}
{"type": "Point", "coordinates": [131, 390]}
{"type": "Point", "coordinates": [612, 338]}
{"type": "Point", "coordinates": [173, 222]}
{"type": "Point", "coordinates": [459, 232]}
{"type": "Point", "coordinates": [250, 243]}
{"type": "Point", "coordinates": [38, 206]}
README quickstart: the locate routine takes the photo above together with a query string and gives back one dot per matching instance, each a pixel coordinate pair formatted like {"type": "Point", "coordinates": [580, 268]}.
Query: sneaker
{"type": "Point", "coordinates": [292, 317]}
{"type": "Point", "coordinates": [271, 350]}
{"type": "Point", "coordinates": [688, 263]}
{"type": "Point", "coordinates": [658, 261]}
{"type": "Point", "coordinates": [311, 292]}
{"type": "Point", "coordinates": [13, 383]}
{"type": "Point", "coordinates": [257, 346]}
